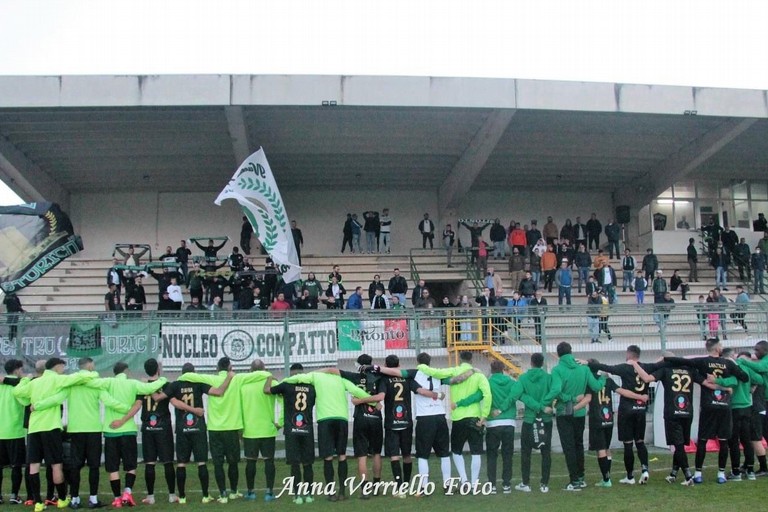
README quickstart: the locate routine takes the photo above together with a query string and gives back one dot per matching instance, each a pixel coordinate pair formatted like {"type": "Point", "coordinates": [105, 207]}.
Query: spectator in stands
{"type": "Point", "coordinates": [516, 267]}
{"type": "Point", "coordinates": [540, 248]}
{"type": "Point", "coordinates": [446, 303]}
{"type": "Point", "coordinates": [549, 267]}
{"type": "Point", "coordinates": [628, 266]}
{"type": "Point", "coordinates": [591, 285]}
{"type": "Point", "coordinates": [357, 229]}
{"type": "Point", "coordinates": [693, 261]}
{"type": "Point", "coordinates": [516, 309]}
{"type": "Point", "coordinates": [174, 293]}
{"type": "Point", "coordinates": [246, 298]}
{"type": "Point", "coordinates": [676, 282]}
{"type": "Point", "coordinates": [425, 301]}
{"type": "Point", "coordinates": [527, 286]}
{"type": "Point", "coordinates": [606, 280]}
{"type": "Point", "coordinates": [565, 252]}
{"type": "Point", "coordinates": [235, 260]}
{"type": "Point", "coordinates": [482, 256]}
{"type": "Point", "coordinates": [662, 309]}
{"type": "Point", "coordinates": [115, 276]}
{"type": "Point", "coordinates": [534, 266]}
{"type": "Point", "coordinates": [741, 256]}
{"type": "Point", "coordinates": [498, 237]}
{"type": "Point", "coordinates": [298, 239]}
{"type": "Point", "coordinates": [335, 273]}
{"type": "Point", "coordinates": [195, 305]}
{"type": "Point", "coordinates": [760, 224]}
{"type": "Point", "coordinates": [613, 234]}
{"type": "Point", "coordinates": [579, 233]}
{"type": "Point", "coordinates": [347, 234]}
{"type": "Point", "coordinates": [730, 239]}
{"type": "Point", "coordinates": [195, 281]}
{"type": "Point", "coordinates": [137, 293]}
{"type": "Point", "coordinates": [132, 306]}
{"type": "Point", "coordinates": [334, 294]}
{"type": "Point", "coordinates": [398, 286]}
{"type": "Point", "coordinates": [427, 230]}
{"type": "Point", "coordinates": [594, 228]}
{"type": "Point", "coordinates": [567, 232]}
{"type": "Point", "coordinates": [720, 262]}
{"type": "Point", "coordinates": [371, 227]}
{"type": "Point", "coordinates": [533, 235]}
{"type": "Point", "coordinates": [563, 281]}
{"type": "Point", "coordinates": [379, 300]}
{"type": "Point", "coordinates": [701, 317]}
{"type": "Point", "coordinates": [13, 309]}
{"type": "Point", "coordinates": [550, 231]}
{"type": "Point", "coordinates": [475, 234]}
{"type": "Point", "coordinates": [396, 304]}
{"type": "Point", "coordinates": [416, 293]}
{"type": "Point", "coordinates": [600, 260]}
{"type": "Point", "coordinates": [280, 304]}
{"type": "Point", "coordinates": [246, 230]}
{"type": "Point", "coordinates": [604, 311]}
{"type": "Point", "coordinates": [650, 264]}
{"type": "Point", "coordinates": [165, 303]}
{"type": "Point", "coordinates": [448, 238]}
{"type": "Point", "coordinates": [312, 286]}
{"type": "Point", "coordinates": [307, 301]}
{"type": "Point", "coordinates": [517, 239]}
{"type": "Point", "coordinates": [109, 298]}
{"type": "Point", "coordinates": [537, 306]}
{"type": "Point", "coordinates": [583, 261]}
{"type": "Point", "coordinates": [742, 298]}
{"type": "Point", "coordinates": [216, 304]}
{"type": "Point", "coordinates": [385, 230]}
{"type": "Point", "coordinates": [641, 284]}
{"type": "Point", "coordinates": [659, 287]}
{"type": "Point", "coordinates": [485, 300]}
{"type": "Point", "coordinates": [493, 282]}
{"type": "Point", "coordinates": [210, 251]}
{"type": "Point", "coordinates": [355, 300]}
{"type": "Point", "coordinates": [712, 233]}
{"type": "Point", "coordinates": [376, 284]}
{"type": "Point", "coordinates": [130, 257]}
{"type": "Point", "coordinates": [758, 261]}
{"type": "Point", "coordinates": [182, 257]}
{"type": "Point", "coordinates": [723, 304]}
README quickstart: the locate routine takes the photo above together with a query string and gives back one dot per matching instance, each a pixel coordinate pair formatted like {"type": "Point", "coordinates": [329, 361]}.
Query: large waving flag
{"type": "Point", "coordinates": [34, 238]}
{"type": "Point", "coordinates": [255, 188]}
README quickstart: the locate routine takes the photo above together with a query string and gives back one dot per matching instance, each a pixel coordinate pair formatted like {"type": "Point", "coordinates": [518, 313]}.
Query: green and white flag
{"type": "Point", "coordinates": [255, 188]}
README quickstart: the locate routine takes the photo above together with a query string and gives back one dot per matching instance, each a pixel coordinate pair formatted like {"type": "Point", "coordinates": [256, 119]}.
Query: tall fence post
{"type": "Point", "coordinates": [286, 346]}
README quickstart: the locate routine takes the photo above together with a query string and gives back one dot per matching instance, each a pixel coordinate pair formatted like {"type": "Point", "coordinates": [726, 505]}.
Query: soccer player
{"type": "Point", "coordinates": [225, 421]}
{"type": "Point", "coordinates": [85, 428]}
{"type": "Point", "coordinates": [570, 382]}
{"type": "Point", "coordinates": [631, 417]}
{"type": "Point", "coordinates": [259, 432]}
{"type": "Point", "coordinates": [332, 421]}
{"type": "Point", "coordinates": [367, 431]}
{"type": "Point", "coordinates": [535, 389]}
{"type": "Point", "coordinates": [469, 421]}
{"type": "Point", "coordinates": [120, 430]}
{"type": "Point", "coordinates": [741, 412]}
{"type": "Point", "coordinates": [45, 394]}
{"type": "Point", "coordinates": [398, 420]}
{"type": "Point", "coordinates": [678, 411]}
{"type": "Point", "coordinates": [191, 435]}
{"type": "Point", "coordinates": [759, 418]}
{"type": "Point", "coordinates": [298, 402]}
{"type": "Point", "coordinates": [12, 447]}
{"type": "Point", "coordinates": [715, 421]}
{"type": "Point", "coordinates": [601, 428]}
{"type": "Point", "coordinates": [157, 435]}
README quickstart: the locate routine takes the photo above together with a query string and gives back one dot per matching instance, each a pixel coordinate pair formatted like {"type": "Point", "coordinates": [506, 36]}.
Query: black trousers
{"type": "Point", "coordinates": [500, 437]}
{"type": "Point", "coordinates": [742, 434]}
{"type": "Point", "coordinates": [347, 240]}
{"type": "Point", "coordinates": [571, 431]}
{"type": "Point", "coordinates": [593, 238]}
{"type": "Point", "coordinates": [425, 237]}
{"type": "Point", "coordinates": [526, 446]}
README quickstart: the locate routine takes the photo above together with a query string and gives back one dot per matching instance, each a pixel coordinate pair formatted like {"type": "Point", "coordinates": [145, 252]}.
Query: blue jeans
{"type": "Point", "coordinates": [640, 296]}
{"type": "Point", "coordinates": [370, 241]}
{"type": "Point", "coordinates": [593, 326]}
{"type": "Point", "coordinates": [583, 276]}
{"type": "Point", "coordinates": [564, 291]}
{"type": "Point", "coordinates": [499, 249]}
{"type": "Point", "coordinates": [613, 245]}
{"type": "Point", "coordinates": [626, 281]}
{"type": "Point", "coordinates": [356, 243]}
{"type": "Point", "coordinates": [721, 277]}
{"type": "Point", "coordinates": [385, 242]}
{"type": "Point", "coordinates": [759, 281]}
{"type": "Point", "coordinates": [536, 276]}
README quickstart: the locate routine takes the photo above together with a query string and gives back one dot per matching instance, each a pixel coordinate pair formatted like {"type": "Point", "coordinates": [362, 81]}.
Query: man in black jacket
{"type": "Point", "coordinates": [580, 233]}
{"type": "Point", "coordinates": [427, 230]}
{"type": "Point", "coordinates": [347, 232]}
{"type": "Point", "coordinates": [398, 286]}
{"type": "Point", "coordinates": [499, 239]}
{"type": "Point", "coordinates": [693, 261]}
{"type": "Point", "coordinates": [298, 239]}
{"type": "Point", "coordinates": [594, 228]}
{"type": "Point", "coordinates": [182, 256]}
{"type": "Point", "coordinates": [245, 236]}
{"type": "Point", "coordinates": [475, 232]}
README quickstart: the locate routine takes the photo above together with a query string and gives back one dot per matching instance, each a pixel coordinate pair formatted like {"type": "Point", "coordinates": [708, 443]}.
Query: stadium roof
{"type": "Point", "coordinates": [64, 135]}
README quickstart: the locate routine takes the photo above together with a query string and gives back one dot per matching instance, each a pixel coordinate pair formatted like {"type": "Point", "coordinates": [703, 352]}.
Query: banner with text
{"type": "Point", "coordinates": [374, 336]}
{"type": "Point", "coordinates": [202, 344]}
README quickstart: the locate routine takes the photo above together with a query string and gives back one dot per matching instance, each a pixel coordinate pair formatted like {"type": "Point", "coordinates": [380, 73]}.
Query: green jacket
{"type": "Point", "coordinates": [123, 392]}
{"type": "Point", "coordinates": [760, 367]}
{"type": "Point", "coordinates": [331, 401]}
{"type": "Point", "coordinates": [225, 412]}
{"type": "Point", "coordinates": [571, 379]}
{"type": "Point", "coordinates": [11, 411]}
{"type": "Point", "coordinates": [537, 393]}
{"type": "Point", "coordinates": [84, 408]}
{"type": "Point", "coordinates": [742, 391]}
{"type": "Point", "coordinates": [259, 413]}
{"type": "Point", "coordinates": [46, 393]}
{"type": "Point", "coordinates": [462, 390]}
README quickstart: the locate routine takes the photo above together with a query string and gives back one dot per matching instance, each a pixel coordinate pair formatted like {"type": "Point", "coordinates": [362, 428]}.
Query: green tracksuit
{"type": "Point", "coordinates": [258, 411]}
{"type": "Point", "coordinates": [571, 379]}
{"type": "Point", "coordinates": [742, 391]}
{"type": "Point", "coordinates": [462, 390]}
{"type": "Point", "coordinates": [11, 411]}
{"type": "Point", "coordinates": [225, 412]}
{"type": "Point", "coordinates": [124, 391]}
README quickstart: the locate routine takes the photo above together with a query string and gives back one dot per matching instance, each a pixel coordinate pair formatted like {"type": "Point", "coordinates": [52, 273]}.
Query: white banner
{"type": "Point", "coordinates": [255, 188]}
{"type": "Point", "coordinates": [203, 344]}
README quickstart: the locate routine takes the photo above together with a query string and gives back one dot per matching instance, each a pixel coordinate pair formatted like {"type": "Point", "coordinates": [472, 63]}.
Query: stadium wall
{"type": "Point", "coordinates": [164, 218]}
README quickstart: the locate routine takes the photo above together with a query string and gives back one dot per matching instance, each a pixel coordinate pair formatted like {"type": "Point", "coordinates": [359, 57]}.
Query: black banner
{"type": "Point", "coordinates": [34, 238]}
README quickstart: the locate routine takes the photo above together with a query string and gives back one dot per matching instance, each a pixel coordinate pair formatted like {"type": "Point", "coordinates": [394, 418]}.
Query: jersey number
{"type": "Point", "coordinates": [151, 405]}
{"type": "Point", "coordinates": [301, 401]}
{"type": "Point", "coordinates": [639, 384]}
{"type": "Point", "coordinates": [398, 391]}
{"type": "Point", "coordinates": [603, 397]}
{"type": "Point", "coordinates": [188, 399]}
{"type": "Point", "coordinates": [681, 383]}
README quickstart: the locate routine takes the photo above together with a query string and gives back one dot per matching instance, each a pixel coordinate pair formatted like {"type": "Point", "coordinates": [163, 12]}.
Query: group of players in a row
{"type": "Point", "coordinates": [483, 410]}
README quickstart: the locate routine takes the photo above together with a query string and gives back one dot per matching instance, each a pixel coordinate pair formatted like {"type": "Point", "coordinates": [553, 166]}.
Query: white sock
{"type": "Point", "coordinates": [93, 499]}
{"type": "Point", "coordinates": [475, 468]}
{"type": "Point", "coordinates": [423, 469]}
{"type": "Point", "coordinates": [458, 461]}
{"type": "Point", "coordinates": [697, 474]}
{"type": "Point", "coordinates": [128, 490]}
{"type": "Point", "coordinates": [76, 500]}
{"type": "Point", "coordinates": [445, 468]}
